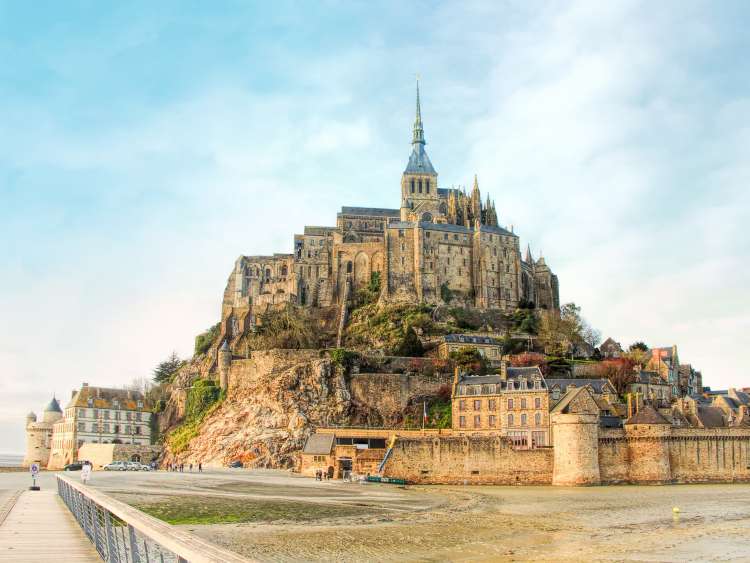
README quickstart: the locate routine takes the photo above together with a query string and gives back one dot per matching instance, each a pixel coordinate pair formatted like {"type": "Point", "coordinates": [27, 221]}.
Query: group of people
{"type": "Point", "coordinates": [321, 475]}
{"type": "Point", "coordinates": [180, 467]}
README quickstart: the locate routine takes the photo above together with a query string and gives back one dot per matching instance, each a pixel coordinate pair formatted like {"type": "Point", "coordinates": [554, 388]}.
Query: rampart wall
{"type": "Point", "coordinates": [470, 459]}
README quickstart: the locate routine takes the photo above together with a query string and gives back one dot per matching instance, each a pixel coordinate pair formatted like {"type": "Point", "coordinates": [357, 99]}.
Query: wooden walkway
{"type": "Point", "coordinates": [41, 528]}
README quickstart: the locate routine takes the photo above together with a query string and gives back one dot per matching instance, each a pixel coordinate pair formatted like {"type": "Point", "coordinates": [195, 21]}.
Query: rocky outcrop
{"type": "Point", "coordinates": [273, 401]}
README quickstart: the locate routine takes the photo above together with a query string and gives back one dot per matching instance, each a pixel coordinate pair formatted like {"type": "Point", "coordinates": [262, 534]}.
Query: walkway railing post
{"type": "Point", "coordinates": [134, 552]}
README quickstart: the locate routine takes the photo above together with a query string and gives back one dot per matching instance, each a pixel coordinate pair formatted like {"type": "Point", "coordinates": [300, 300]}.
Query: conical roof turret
{"type": "Point", "coordinates": [53, 406]}
{"type": "Point", "coordinates": [419, 162]}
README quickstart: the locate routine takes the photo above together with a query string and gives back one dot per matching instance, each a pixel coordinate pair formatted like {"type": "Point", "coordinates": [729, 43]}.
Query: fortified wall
{"type": "Point", "coordinates": [582, 454]}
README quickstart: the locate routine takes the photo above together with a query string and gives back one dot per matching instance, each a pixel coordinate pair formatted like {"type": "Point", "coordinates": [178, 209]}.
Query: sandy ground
{"type": "Point", "coordinates": [299, 519]}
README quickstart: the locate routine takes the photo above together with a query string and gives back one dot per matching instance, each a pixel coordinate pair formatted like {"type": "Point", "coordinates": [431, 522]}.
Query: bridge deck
{"type": "Point", "coordinates": [40, 528]}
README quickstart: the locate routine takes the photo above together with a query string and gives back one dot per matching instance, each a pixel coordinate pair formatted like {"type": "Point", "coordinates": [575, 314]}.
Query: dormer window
{"type": "Point", "coordinates": [523, 383]}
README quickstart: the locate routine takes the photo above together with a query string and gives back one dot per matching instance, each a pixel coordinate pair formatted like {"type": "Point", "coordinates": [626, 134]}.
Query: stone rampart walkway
{"type": "Point", "coordinates": [40, 528]}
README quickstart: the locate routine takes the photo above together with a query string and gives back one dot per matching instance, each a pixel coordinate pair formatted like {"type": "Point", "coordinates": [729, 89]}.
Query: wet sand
{"type": "Point", "coordinates": [522, 524]}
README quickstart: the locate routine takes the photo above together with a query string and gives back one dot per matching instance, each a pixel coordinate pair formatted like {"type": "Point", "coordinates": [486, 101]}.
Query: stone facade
{"type": "Point", "coordinates": [439, 243]}
{"type": "Point", "coordinates": [99, 415]}
{"type": "Point", "coordinates": [39, 434]}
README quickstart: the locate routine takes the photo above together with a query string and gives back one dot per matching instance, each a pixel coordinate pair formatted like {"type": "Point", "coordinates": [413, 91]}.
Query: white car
{"type": "Point", "coordinates": [145, 467]}
{"type": "Point", "coordinates": [116, 466]}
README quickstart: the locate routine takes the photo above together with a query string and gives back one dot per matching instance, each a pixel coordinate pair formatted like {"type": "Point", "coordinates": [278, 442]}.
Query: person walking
{"type": "Point", "coordinates": [191, 468]}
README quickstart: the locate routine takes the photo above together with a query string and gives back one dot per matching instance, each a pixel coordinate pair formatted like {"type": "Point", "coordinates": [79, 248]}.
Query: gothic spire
{"type": "Point", "coordinates": [529, 259]}
{"type": "Point", "coordinates": [418, 135]}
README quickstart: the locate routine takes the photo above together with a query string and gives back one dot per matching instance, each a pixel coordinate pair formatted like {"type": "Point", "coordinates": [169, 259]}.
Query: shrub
{"type": "Point", "coordinates": [445, 293]}
{"type": "Point", "coordinates": [343, 358]}
{"type": "Point", "coordinates": [410, 345]}
{"type": "Point", "coordinates": [203, 398]}
{"type": "Point", "coordinates": [204, 340]}
{"type": "Point", "coordinates": [466, 318]}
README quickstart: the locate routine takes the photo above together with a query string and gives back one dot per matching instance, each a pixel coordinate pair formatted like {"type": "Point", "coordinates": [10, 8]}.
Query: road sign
{"type": "Point", "coordinates": [34, 468]}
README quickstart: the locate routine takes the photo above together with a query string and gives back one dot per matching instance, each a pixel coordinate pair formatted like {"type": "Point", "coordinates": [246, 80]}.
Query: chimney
{"type": "Point", "coordinates": [504, 370]}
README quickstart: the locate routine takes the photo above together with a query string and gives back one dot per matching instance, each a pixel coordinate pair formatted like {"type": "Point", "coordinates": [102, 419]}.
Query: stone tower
{"type": "Point", "coordinates": [419, 187]}
{"type": "Point", "coordinates": [225, 361]}
{"type": "Point", "coordinates": [39, 434]}
{"type": "Point", "coordinates": [647, 433]}
{"type": "Point", "coordinates": [575, 437]}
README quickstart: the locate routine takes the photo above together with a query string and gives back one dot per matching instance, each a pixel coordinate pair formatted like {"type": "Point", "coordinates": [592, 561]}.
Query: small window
{"type": "Point", "coordinates": [523, 419]}
{"type": "Point", "coordinates": [523, 403]}
{"type": "Point", "coordinates": [420, 186]}
{"type": "Point", "coordinates": [412, 185]}
{"type": "Point", "coordinates": [538, 403]}
{"type": "Point", "coordinates": [510, 404]}
{"type": "Point", "coordinates": [462, 421]}
{"type": "Point", "coordinates": [462, 405]}
{"type": "Point", "coordinates": [538, 419]}
{"type": "Point", "coordinates": [492, 420]}
{"type": "Point", "coordinates": [477, 421]}
{"type": "Point", "coordinates": [478, 404]}
{"type": "Point", "coordinates": [510, 419]}
{"type": "Point", "coordinates": [491, 404]}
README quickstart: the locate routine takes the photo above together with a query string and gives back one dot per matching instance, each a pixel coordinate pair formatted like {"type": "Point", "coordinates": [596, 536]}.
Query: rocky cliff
{"type": "Point", "coordinates": [275, 399]}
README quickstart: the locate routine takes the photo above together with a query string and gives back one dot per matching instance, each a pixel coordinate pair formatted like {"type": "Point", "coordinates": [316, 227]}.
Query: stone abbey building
{"type": "Point", "coordinates": [439, 243]}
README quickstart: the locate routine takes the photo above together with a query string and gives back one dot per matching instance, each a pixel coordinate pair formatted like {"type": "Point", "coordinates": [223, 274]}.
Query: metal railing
{"type": "Point", "coordinates": [123, 534]}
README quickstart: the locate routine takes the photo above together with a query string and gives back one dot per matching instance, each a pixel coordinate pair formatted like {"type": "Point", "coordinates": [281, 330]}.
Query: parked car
{"type": "Point", "coordinates": [77, 466]}
{"type": "Point", "coordinates": [116, 466]}
{"type": "Point", "coordinates": [133, 465]}
{"type": "Point", "coordinates": [236, 464]}
{"type": "Point", "coordinates": [144, 467]}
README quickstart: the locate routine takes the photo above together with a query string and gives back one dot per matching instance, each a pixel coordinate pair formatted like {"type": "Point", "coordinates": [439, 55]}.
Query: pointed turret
{"type": "Point", "coordinates": [529, 258]}
{"type": "Point", "coordinates": [476, 201]}
{"type": "Point", "coordinates": [419, 162]}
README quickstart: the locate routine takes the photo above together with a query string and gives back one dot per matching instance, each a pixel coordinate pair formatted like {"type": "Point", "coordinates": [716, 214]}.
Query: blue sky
{"type": "Point", "coordinates": [143, 147]}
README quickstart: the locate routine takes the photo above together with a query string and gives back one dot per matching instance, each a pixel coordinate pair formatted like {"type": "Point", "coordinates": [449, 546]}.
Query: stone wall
{"type": "Point", "coordinates": [468, 459]}
{"type": "Point", "coordinates": [674, 455]}
{"type": "Point", "coordinates": [386, 395]}
{"type": "Point", "coordinates": [101, 454]}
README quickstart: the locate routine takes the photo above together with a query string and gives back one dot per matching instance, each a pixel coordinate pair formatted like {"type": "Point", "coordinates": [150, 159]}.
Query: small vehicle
{"type": "Point", "coordinates": [116, 466]}
{"type": "Point", "coordinates": [76, 466]}
{"type": "Point", "coordinates": [144, 467]}
{"type": "Point", "coordinates": [133, 465]}
{"type": "Point", "coordinates": [236, 464]}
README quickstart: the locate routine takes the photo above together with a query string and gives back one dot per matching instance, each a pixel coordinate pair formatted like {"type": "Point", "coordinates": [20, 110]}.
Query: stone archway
{"type": "Point", "coordinates": [361, 270]}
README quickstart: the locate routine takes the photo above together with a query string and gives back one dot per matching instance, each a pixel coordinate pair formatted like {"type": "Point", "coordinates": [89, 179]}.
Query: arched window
{"type": "Point", "coordinates": [420, 186]}
{"type": "Point", "coordinates": [510, 419]}
{"type": "Point", "coordinates": [412, 185]}
{"type": "Point", "coordinates": [427, 185]}
{"type": "Point", "coordinates": [349, 267]}
{"type": "Point", "coordinates": [538, 419]}
{"type": "Point", "coordinates": [284, 270]}
{"type": "Point", "coordinates": [268, 274]}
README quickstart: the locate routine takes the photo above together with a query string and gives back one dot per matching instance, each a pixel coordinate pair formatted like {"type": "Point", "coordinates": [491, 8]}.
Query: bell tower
{"type": "Point", "coordinates": [419, 189]}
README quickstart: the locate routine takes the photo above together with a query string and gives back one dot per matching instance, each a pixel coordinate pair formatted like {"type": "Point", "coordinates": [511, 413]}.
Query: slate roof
{"type": "Point", "coordinates": [596, 384]}
{"type": "Point", "coordinates": [419, 162]}
{"type": "Point", "coordinates": [53, 406]}
{"type": "Point", "coordinates": [528, 371]}
{"type": "Point", "coordinates": [708, 417]}
{"type": "Point", "coordinates": [647, 415]}
{"type": "Point", "coordinates": [563, 403]}
{"type": "Point", "coordinates": [104, 398]}
{"type": "Point", "coordinates": [469, 339]}
{"type": "Point", "coordinates": [513, 375]}
{"type": "Point", "coordinates": [743, 397]}
{"type": "Point", "coordinates": [370, 211]}
{"type": "Point", "coordinates": [318, 231]}
{"type": "Point", "coordinates": [319, 444]}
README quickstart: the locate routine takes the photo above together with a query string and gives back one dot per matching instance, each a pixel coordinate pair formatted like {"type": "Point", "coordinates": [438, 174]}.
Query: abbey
{"type": "Point", "coordinates": [440, 245]}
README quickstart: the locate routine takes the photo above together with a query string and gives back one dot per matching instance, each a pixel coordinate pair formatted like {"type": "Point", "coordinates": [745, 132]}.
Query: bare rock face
{"type": "Point", "coordinates": [274, 400]}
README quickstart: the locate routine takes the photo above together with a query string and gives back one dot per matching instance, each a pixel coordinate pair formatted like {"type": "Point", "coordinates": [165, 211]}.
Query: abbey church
{"type": "Point", "coordinates": [441, 245]}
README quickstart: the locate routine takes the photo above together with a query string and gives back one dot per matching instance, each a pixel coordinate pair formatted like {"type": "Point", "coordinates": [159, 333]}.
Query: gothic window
{"type": "Point", "coordinates": [412, 185]}
{"type": "Point", "coordinates": [427, 186]}
{"type": "Point", "coordinates": [349, 267]}
{"type": "Point", "coordinates": [419, 186]}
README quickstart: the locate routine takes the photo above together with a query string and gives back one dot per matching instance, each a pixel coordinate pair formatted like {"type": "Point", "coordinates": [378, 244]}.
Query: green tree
{"type": "Point", "coordinates": [166, 370]}
{"type": "Point", "coordinates": [204, 340]}
{"type": "Point", "coordinates": [411, 345]}
{"type": "Point", "coordinates": [638, 346]}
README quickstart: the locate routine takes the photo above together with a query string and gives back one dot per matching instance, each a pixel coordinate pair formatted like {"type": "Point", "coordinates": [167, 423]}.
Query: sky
{"type": "Point", "coordinates": [145, 146]}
